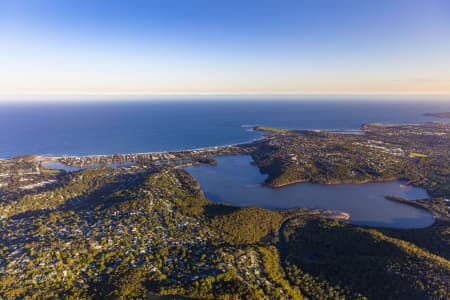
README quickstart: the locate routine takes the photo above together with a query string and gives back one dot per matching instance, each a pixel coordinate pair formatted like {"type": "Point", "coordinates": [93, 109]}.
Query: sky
{"type": "Point", "coordinates": [224, 47]}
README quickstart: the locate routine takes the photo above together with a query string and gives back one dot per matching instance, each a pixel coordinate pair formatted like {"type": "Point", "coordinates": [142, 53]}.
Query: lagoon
{"type": "Point", "coordinates": [236, 181]}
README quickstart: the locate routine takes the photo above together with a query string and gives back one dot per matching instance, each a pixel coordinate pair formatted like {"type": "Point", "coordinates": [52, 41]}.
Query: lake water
{"type": "Point", "coordinates": [130, 127]}
{"type": "Point", "coordinates": [234, 180]}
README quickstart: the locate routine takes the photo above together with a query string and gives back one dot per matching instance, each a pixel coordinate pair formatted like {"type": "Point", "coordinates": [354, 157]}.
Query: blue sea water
{"type": "Point", "coordinates": [83, 128]}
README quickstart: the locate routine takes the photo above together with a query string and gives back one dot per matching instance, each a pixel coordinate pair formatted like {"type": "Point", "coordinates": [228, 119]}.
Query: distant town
{"type": "Point", "coordinates": [135, 225]}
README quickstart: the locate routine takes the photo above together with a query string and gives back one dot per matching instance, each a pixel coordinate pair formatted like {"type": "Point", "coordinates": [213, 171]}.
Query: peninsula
{"type": "Point", "coordinates": [438, 115]}
{"type": "Point", "coordinates": [145, 228]}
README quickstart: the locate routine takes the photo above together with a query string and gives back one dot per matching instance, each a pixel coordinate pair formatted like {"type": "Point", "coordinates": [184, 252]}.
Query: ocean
{"type": "Point", "coordinates": [85, 128]}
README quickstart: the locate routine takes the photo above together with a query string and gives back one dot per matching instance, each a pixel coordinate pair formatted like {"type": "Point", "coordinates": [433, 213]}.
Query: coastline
{"type": "Point", "coordinates": [261, 128]}
{"type": "Point", "coordinates": [44, 157]}
{"type": "Point", "coordinates": [269, 136]}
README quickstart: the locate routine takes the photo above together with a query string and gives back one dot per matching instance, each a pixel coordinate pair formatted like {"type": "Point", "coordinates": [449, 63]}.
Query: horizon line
{"type": "Point", "coordinates": [142, 96]}
{"type": "Point", "coordinates": [250, 93]}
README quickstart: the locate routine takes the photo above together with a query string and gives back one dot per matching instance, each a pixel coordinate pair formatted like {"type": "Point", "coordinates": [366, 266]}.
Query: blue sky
{"type": "Point", "coordinates": [225, 47]}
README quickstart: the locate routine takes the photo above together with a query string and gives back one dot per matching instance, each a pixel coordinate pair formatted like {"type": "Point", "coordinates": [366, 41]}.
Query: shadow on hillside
{"type": "Point", "coordinates": [216, 209]}
{"type": "Point", "coordinates": [103, 195]}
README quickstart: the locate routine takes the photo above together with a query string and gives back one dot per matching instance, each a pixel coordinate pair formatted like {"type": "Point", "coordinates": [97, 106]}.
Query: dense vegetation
{"type": "Point", "coordinates": [130, 233]}
{"type": "Point", "coordinates": [435, 239]}
{"type": "Point", "coordinates": [247, 225]}
{"type": "Point", "coordinates": [112, 233]}
{"type": "Point", "coordinates": [418, 153]}
{"type": "Point", "coordinates": [330, 259]}
{"type": "Point", "coordinates": [148, 231]}
{"type": "Point", "coordinates": [432, 173]}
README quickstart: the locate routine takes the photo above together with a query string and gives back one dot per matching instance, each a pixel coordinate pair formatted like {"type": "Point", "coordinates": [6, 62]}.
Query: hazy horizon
{"type": "Point", "coordinates": [169, 97]}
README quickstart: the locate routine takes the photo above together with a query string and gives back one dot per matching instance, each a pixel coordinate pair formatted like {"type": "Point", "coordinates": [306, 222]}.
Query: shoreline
{"type": "Point", "coordinates": [421, 204]}
{"type": "Point", "coordinates": [343, 182]}
{"type": "Point", "coordinates": [50, 157]}
{"type": "Point", "coordinates": [266, 130]}
{"type": "Point", "coordinates": [268, 134]}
